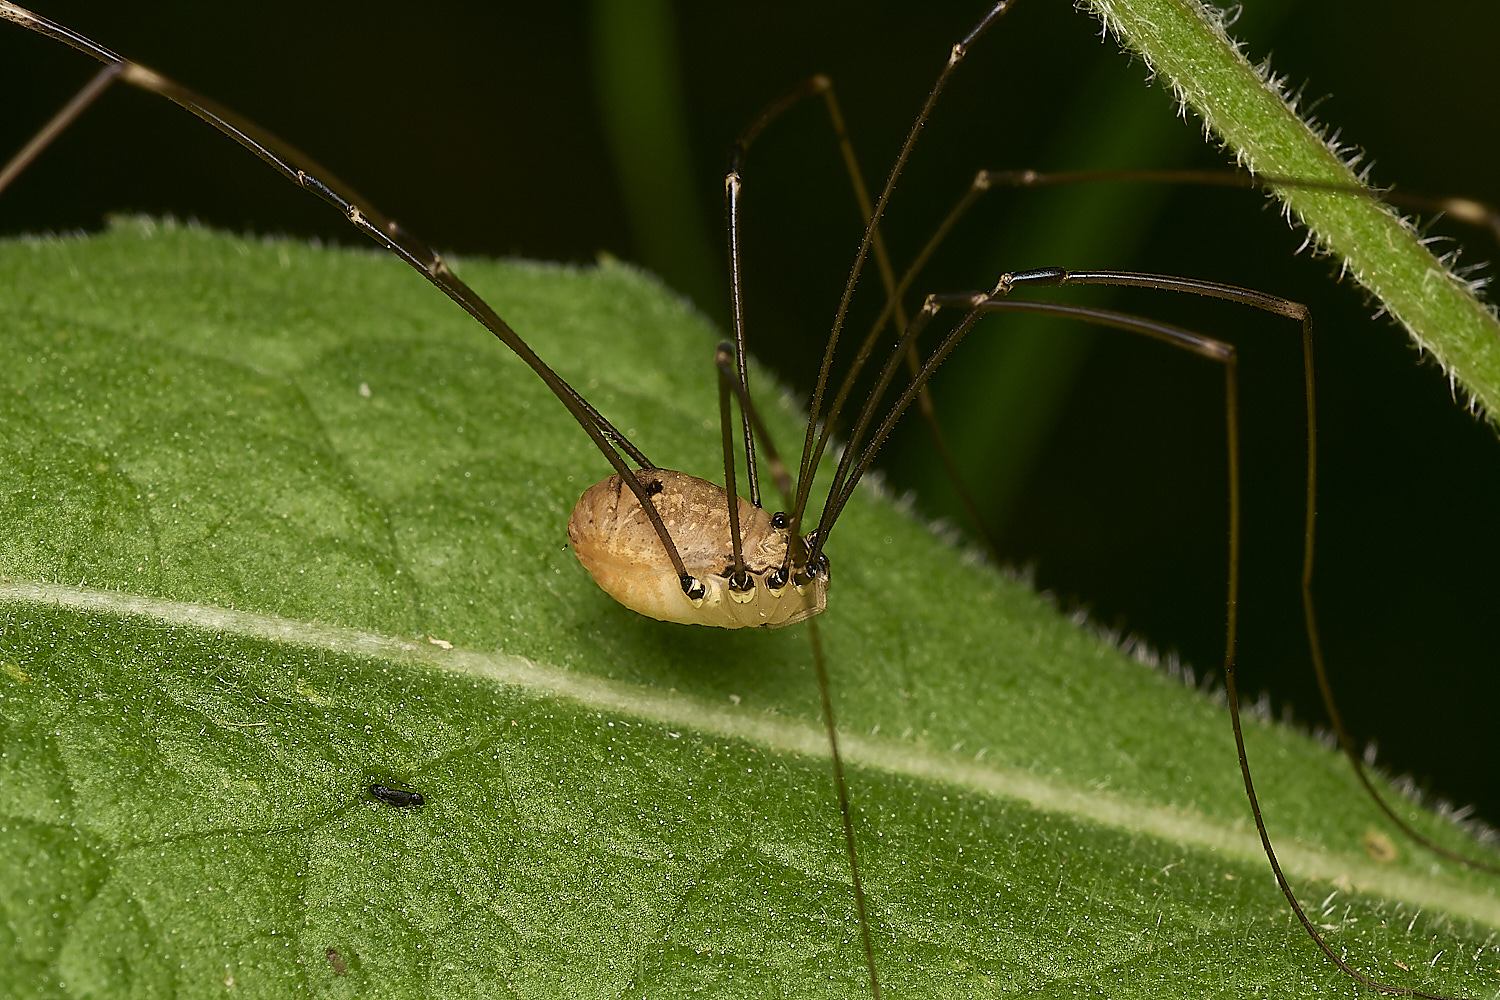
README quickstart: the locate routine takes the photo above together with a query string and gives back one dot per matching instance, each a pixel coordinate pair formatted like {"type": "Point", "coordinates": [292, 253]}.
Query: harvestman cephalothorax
{"type": "Point", "coordinates": [784, 579]}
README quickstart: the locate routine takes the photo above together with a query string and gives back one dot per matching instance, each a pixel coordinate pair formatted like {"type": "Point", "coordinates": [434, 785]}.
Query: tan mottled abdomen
{"type": "Point", "coordinates": [617, 544]}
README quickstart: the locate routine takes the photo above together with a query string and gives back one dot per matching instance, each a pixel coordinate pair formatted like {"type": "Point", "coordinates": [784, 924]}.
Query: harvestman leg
{"type": "Point", "coordinates": [870, 241]}
{"type": "Point", "coordinates": [857, 459]}
{"type": "Point", "coordinates": [893, 310]}
{"type": "Point", "coordinates": [846, 477]}
{"type": "Point", "coordinates": [303, 171]}
{"type": "Point", "coordinates": [821, 86]}
{"type": "Point", "coordinates": [1464, 210]}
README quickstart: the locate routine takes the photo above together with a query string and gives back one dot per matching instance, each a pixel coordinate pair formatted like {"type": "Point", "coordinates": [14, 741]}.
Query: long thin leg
{"type": "Point", "coordinates": [734, 183]}
{"type": "Point", "coordinates": [979, 304]}
{"type": "Point", "coordinates": [1315, 646]}
{"type": "Point", "coordinates": [893, 296]}
{"type": "Point", "coordinates": [871, 238]}
{"type": "Point", "coordinates": [58, 124]}
{"type": "Point", "coordinates": [1232, 692]}
{"type": "Point", "coordinates": [302, 170]}
{"type": "Point", "coordinates": [739, 580]}
{"type": "Point", "coordinates": [725, 361]}
{"type": "Point", "coordinates": [1325, 687]}
{"type": "Point", "coordinates": [1461, 209]}
{"type": "Point", "coordinates": [809, 459]}
{"type": "Point", "coordinates": [843, 793]}
{"type": "Point", "coordinates": [821, 85]}
{"type": "Point", "coordinates": [1465, 210]}
{"type": "Point", "coordinates": [857, 457]}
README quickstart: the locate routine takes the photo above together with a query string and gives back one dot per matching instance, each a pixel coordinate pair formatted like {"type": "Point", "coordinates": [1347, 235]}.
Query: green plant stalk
{"type": "Point", "coordinates": [1251, 114]}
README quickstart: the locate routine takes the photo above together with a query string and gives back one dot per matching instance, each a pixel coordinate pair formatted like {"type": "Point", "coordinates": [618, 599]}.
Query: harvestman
{"type": "Point", "coordinates": [677, 548]}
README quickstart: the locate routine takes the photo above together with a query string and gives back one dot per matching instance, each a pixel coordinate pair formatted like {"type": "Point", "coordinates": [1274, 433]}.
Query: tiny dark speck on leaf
{"type": "Point", "coordinates": [400, 798]}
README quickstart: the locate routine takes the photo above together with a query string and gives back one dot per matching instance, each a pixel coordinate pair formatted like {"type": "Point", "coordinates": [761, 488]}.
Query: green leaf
{"type": "Point", "coordinates": [1251, 114]}
{"type": "Point", "coordinates": [253, 492]}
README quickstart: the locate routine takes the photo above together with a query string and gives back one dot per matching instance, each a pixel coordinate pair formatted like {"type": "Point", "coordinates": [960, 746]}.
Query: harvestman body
{"type": "Point", "coordinates": [681, 549]}
{"type": "Point", "coordinates": [618, 546]}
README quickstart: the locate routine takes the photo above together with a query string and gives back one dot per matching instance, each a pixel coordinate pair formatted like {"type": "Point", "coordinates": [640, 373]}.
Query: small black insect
{"type": "Point", "coordinates": [401, 798]}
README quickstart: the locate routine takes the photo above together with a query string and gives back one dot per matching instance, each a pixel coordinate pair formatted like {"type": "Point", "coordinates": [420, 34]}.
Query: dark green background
{"type": "Point", "coordinates": [478, 126]}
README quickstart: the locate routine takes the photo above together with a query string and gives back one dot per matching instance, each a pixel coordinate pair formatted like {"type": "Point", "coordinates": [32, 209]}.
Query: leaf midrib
{"type": "Point", "coordinates": [788, 736]}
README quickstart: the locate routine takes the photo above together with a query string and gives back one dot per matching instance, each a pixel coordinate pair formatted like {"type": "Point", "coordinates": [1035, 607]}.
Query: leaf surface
{"type": "Point", "coordinates": [279, 523]}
